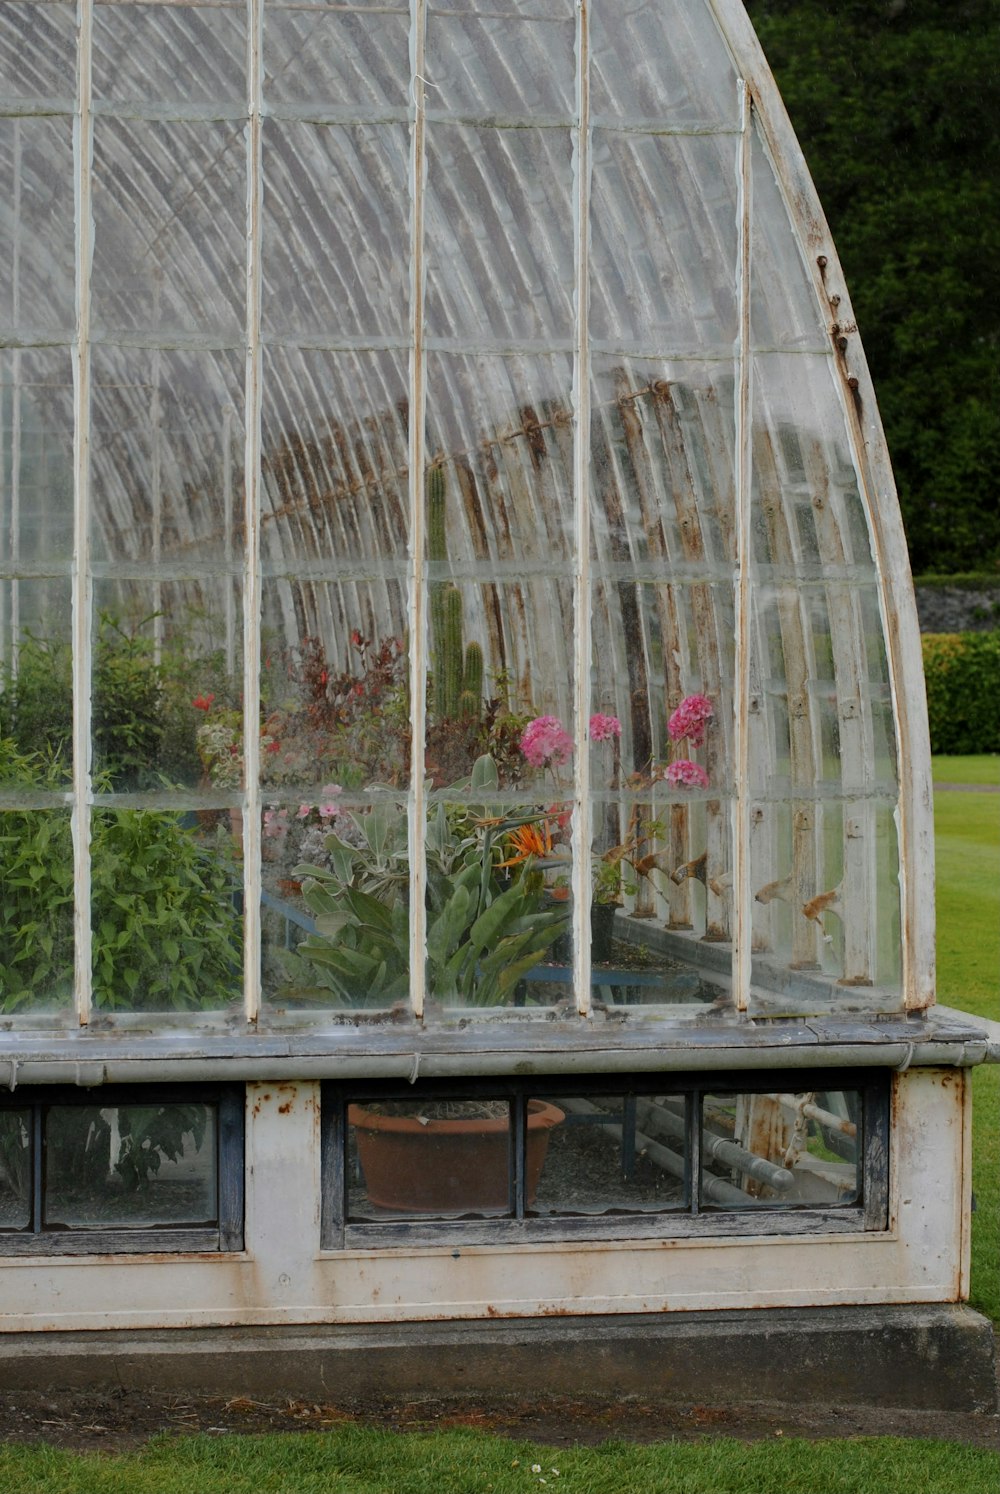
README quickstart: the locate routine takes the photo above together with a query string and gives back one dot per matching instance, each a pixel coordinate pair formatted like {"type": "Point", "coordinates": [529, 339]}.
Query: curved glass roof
{"type": "Point", "coordinates": [443, 508]}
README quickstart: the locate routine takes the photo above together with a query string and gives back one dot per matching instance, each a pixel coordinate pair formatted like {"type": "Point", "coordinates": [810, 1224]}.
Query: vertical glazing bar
{"type": "Point", "coordinates": [251, 553]}
{"type": "Point", "coordinates": [156, 472]}
{"type": "Point", "coordinates": [227, 540]}
{"type": "Point", "coordinates": [37, 1170]}
{"type": "Point", "coordinates": [742, 907]}
{"type": "Point", "coordinates": [82, 591]}
{"type": "Point", "coordinates": [581, 485]}
{"type": "Point", "coordinates": [15, 417]}
{"type": "Point", "coordinates": [417, 584]}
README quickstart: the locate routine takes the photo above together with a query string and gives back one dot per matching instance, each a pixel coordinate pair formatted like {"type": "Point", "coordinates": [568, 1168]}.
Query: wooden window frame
{"type": "Point", "coordinates": [692, 1217]}
{"type": "Point", "coordinates": [225, 1236]}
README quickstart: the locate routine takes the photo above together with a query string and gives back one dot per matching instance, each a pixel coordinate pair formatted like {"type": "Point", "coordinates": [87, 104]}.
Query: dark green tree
{"type": "Point", "coordinates": [896, 104]}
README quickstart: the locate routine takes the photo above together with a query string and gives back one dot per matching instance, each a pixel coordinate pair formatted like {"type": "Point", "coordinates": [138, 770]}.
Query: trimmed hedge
{"type": "Point", "coordinates": [962, 671]}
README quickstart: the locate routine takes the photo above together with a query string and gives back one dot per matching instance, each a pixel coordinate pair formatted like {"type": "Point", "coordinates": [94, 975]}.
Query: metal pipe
{"type": "Point", "coordinates": [247, 1067]}
{"type": "Point", "coordinates": [730, 1153]}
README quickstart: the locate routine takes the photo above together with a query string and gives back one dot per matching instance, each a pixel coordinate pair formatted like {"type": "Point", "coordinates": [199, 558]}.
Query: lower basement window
{"type": "Point", "coordinates": [604, 1158]}
{"type": "Point", "coordinates": [121, 1170]}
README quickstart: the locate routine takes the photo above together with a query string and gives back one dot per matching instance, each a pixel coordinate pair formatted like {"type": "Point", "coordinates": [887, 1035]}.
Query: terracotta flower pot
{"type": "Point", "coordinates": [446, 1166]}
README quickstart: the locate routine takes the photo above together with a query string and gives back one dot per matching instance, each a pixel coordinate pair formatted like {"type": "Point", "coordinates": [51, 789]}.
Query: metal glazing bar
{"type": "Point", "coordinates": [417, 610]}
{"type": "Point", "coordinates": [251, 553]}
{"type": "Point", "coordinates": [82, 591]}
{"type": "Point", "coordinates": [37, 1168]}
{"type": "Point", "coordinates": [581, 835]}
{"type": "Point", "coordinates": [742, 905]}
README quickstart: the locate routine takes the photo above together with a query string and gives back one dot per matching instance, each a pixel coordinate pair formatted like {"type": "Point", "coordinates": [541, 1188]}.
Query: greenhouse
{"type": "Point", "coordinates": [465, 804]}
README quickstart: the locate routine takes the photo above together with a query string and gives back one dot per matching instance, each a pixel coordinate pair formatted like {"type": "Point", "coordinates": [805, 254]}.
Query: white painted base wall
{"type": "Point", "coordinates": [283, 1276]}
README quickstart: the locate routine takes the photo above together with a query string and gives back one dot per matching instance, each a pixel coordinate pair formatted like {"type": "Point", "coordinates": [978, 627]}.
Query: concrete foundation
{"type": "Point", "coordinates": [928, 1357]}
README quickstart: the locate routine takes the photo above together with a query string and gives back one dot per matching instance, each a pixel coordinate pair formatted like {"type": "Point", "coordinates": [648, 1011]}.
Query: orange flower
{"type": "Point", "coordinates": [528, 840]}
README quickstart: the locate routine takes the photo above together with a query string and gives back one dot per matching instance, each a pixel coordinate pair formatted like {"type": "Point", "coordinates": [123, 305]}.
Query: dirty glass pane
{"type": "Point", "coordinates": [334, 461]}
{"type": "Point", "coordinates": [15, 1169]}
{"type": "Point", "coordinates": [779, 1150]}
{"type": "Point", "coordinates": [36, 687]}
{"type": "Point", "coordinates": [609, 1154]}
{"type": "Point", "coordinates": [668, 63]}
{"type": "Point", "coordinates": [167, 258]}
{"type": "Point", "coordinates": [38, 50]}
{"type": "Point", "coordinates": [177, 53]}
{"type": "Point", "coordinates": [501, 64]}
{"type": "Point", "coordinates": [429, 1159]}
{"type": "Point", "coordinates": [483, 282]}
{"type": "Point", "coordinates": [36, 912]}
{"type": "Point", "coordinates": [664, 243]}
{"type": "Point", "coordinates": [167, 457]}
{"type": "Point", "coordinates": [320, 59]}
{"type": "Point", "coordinates": [336, 902]}
{"type": "Point", "coordinates": [335, 229]}
{"type": "Point", "coordinates": [499, 875]}
{"type": "Point", "coordinates": [785, 311]}
{"type": "Point", "coordinates": [167, 686]}
{"type": "Point", "coordinates": [662, 469]}
{"type": "Point", "coordinates": [36, 463]}
{"type": "Point", "coordinates": [130, 1166]}
{"type": "Point", "coordinates": [166, 912]}
{"type": "Point", "coordinates": [501, 429]}
{"type": "Point", "coordinates": [36, 233]}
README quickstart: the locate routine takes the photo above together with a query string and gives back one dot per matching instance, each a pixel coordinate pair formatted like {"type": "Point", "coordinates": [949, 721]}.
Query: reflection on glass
{"type": "Point", "coordinates": [173, 941]}
{"type": "Point", "coordinates": [36, 906]}
{"type": "Point", "coordinates": [498, 64]}
{"type": "Point", "coordinates": [38, 53]}
{"type": "Point", "coordinates": [651, 61]}
{"type": "Point", "coordinates": [130, 1166]}
{"type": "Point", "coordinates": [186, 53]}
{"type": "Point", "coordinates": [36, 167]}
{"type": "Point", "coordinates": [317, 59]}
{"type": "Point", "coordinates": [615, 1154]}
{"type": "Point", "coordinates": [781, 1149]}
{"type": "Point", "coordinates": [440, 1159]}
{"type": "Point", "coordinates": [15, 1169]}
{"type": "Point", "coordinates": [336, 912]}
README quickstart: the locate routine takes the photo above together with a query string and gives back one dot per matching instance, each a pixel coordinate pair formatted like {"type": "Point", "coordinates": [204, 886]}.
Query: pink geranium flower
{"type": "Point", "coordinates": [545, 741]}
{"type": "Point", "coordinates": [690, 719]}
{"type": "Point", "coordinates": [603, 728]}
{"type": "Point", "coordinates": [686, 774]}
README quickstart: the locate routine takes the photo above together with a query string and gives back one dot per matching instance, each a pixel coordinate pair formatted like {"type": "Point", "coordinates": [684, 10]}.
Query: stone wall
{"type": "Point", "coordinates": [958, 609]}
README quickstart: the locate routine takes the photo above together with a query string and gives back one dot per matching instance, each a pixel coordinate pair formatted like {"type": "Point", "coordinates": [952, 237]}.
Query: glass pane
{"type": "Point", "coordinates": [169, 227]}
{"type": "Point", "coordinates": [433, 1159]}
{"type": "Point", "coordinates": [335, 230]}
{"type": "Point", "coordinates": [36, 229]}
{"type": "Point", "coordinates": [167, 691]}
{"type": "Point", "coordinates": [15, 1169]}
{"type": "Point", "coordinates": [611, 1154]}
{"type": "Point", "coordinates": [38, 50]}
{"type": "Point", "coordinates": [499, 904]}
{"type": "Point", "coordinates": [662, 468]}
{"type": "Point", "coordinates": [498, 64]}
{"type": "Point", "coordinates": [172, 53]}
{"type": "Point", "coordinates": [781, 1150]}
{"type": "Point", "coordinates": [663, 63]}
{"type": "Point", "coordinates": [36, 686]}
{"type": "Point", "coordinates": [334, 469]}
{"type": "Point", "coordinates": [167, 458]}
{"type": "Point", "coordinates": [130, 1166]}
{"type": "Point", "coordinates": [36, 912]}
{"type": "Point", "coordinates": [337, 927]}
{"type": "Point", "coordinates": [499, 233]}
{"type": "Point", "coordinates": [166, 905]}
{"type": "Point", "coordinates": [502, 430]}
{"type": "Point", "coordinates": [36, 462]}
{"type": "Point", "coordinates": [318, 59]}
{"type": "Point", "coordinates": [664, 243]}
{"type": "Point", "coordinates": [784, 307]}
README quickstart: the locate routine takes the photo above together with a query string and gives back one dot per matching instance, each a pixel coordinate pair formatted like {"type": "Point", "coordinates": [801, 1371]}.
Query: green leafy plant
{"type": "Point", "coordinates": [961, 671]}
{"type": "Point", "coordinates": [165, 931]}
{"type": "Point", "coordinates": [485, 928]}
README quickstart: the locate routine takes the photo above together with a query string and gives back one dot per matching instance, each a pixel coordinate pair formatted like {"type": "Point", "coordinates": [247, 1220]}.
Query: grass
{"type": "Point", "coordinates": [985, 768]}
{"type": "Point", "coordinates": [967, 830]}
{"type": "Point", "coordinates": [357, 1460]}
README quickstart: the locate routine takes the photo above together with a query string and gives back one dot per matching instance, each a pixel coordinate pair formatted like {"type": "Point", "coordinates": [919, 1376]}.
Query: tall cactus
{"type": "Point", "coordinates": [457, 673]}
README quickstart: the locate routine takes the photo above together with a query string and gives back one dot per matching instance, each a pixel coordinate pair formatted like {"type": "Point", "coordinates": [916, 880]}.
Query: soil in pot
{"type": "Point", "coordinates": [419, 1163]}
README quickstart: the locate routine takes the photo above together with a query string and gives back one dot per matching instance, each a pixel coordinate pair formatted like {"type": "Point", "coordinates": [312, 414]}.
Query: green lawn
{"type": "Point", "coordinates": [982, 769]}
{"type": "Point", "coordinates": [967, 830]}
{"type": "Point", "coordinates": [357, 1460]}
